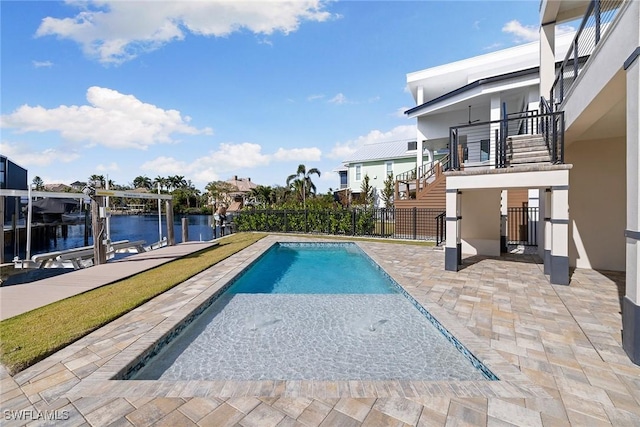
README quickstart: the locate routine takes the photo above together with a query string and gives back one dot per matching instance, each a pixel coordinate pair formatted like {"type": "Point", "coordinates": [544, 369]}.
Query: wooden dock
{"type": "Point", "coordinates": [18, 299]}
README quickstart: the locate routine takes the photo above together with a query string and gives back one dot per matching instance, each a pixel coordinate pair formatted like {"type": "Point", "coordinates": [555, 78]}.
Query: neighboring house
{"type": "Point", "coordinates": [579, 150]}
{"type": "Point", "coordinates": [14, 177]}
{"type": "Point", "coordinates": [78, 185]}
{"type": "Point", "coordinates": [60, 188]}
{"type": "Point", "coordinates": [376, 160]}
{"type": "Point", "coordinates": [241, 196]}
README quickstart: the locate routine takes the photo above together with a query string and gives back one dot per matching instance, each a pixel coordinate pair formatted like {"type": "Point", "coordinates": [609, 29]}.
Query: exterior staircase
{"type": "Point", "coordinates": [526, 150]}
{"type": "Point", "coordinates": [422, 188]}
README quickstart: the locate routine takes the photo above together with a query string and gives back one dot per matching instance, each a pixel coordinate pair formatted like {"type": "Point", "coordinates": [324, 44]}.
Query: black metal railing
{"type": "Point", "coordinates": [596, 20]}
{"type": "Point", "coordinates": [522, 226]}
{"type": "Point", "coordinates": [466, 141]}
{"type": "Point", "coordinates": [396, 223]}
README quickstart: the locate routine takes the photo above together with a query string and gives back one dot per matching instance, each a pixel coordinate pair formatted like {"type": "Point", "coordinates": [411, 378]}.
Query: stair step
{"type": "Point", "coordinates": [524, 137]}
{"type": "Point", "coordinates": [528, 143]}
{"type": "Point", "coordinates": [523, 154]}
{"type": "Point", "coordinates": [527, 160]}
{"type": "Point", "coordinates": [527, 149]}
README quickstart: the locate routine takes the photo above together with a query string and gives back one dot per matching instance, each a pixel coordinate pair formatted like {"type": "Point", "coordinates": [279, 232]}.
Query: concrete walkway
{"type": "Point", "coordinates": [556, 349]}
{"type": "Point", "coordinates": [18, 299]}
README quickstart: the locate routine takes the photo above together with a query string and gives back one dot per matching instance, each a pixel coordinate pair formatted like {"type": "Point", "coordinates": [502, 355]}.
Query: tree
{"type": "Point", "coordinates": [301, 182]}
{"type": "Point", "coordinates": [219, 192]}
{"type": "Point", "coordinates": [264, 195]}
{"type": "Point", "coordinates": [142, 181]}
{"type": "Point", "coordinates": [366, 192]}
{"type": "Point", "coordinates": [388, 191]}
{"type": "Point", "coordinates": [160, 181]}
{"type": "Point", "coordinates": [38, 183]}
{"type": "Point", "coordinates": [97, 181]}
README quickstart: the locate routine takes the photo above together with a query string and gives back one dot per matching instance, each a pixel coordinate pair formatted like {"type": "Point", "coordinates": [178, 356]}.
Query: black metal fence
{"type": "Point", "coordinates": [522, 226]}
{"type": "Point", "coordinates": [410, 223]}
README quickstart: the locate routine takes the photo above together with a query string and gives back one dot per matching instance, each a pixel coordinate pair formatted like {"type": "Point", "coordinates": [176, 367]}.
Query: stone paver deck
{"type": "Point", "coordinates": [18, 299]}
{"type": "Point", "coordinates": [557, 350]}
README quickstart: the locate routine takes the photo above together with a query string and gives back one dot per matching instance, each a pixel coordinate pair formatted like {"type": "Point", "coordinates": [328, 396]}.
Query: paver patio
{"type": "Point", "coordinates": [557, 350]}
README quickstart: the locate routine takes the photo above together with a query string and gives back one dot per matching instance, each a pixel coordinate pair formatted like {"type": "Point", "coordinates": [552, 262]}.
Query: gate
{"type": "Point", "coordinates": [522, 226]}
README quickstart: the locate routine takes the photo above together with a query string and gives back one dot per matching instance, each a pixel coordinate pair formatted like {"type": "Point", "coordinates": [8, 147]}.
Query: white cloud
{"type": "Point", "coordinates": [342, 150]}
{"type": "Point", "coordinates": [527, 33]}
{"type": "Point", "coordinates": [228, 158]}
{"type": "Point", "coordinates": [492, 46]}
{"type": "Point", "coordinates": [111, 167]}
{"type": "Point", "coordinates": [164, 165]}
{"type": "Point", "coordinates": [312, 154]}
{"type": "Point", "coordinates": [111, 119]}
{"type": "Point", "coordinates": [338, 99]}
{"type": "Point", "coordinates": [117, 31]}
{"type": "Point", "coordinates": [42, 64]}
{"type": "Point", "coordinates": [522, 33]}
{"type": "Point", "coordinates": [314, 97]}
{"type": "Point", "coordinates": [564, 29]}
{"type": "Point", "coordinates": [400, 112]}
{"type": "Point", "coordinates": [26, 156]}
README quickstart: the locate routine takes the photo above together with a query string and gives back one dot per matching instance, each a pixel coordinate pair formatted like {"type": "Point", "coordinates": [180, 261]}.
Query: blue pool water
{"type": "Point", "coordinates": [295, 268]}
{"type": "Point", "coordinates": [313, 312]}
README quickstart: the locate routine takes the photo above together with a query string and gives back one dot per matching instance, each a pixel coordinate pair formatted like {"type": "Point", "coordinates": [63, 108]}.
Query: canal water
{"type": "Point", "coordinates": [125, 227]}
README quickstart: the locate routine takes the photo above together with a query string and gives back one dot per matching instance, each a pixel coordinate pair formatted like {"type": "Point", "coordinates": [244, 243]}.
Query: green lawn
{"type": "Point", "coordinates": [32, 336]}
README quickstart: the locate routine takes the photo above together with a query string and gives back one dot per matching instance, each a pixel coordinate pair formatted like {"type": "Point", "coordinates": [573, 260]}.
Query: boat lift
{"type": "Point", "coordinates": [99, 212]}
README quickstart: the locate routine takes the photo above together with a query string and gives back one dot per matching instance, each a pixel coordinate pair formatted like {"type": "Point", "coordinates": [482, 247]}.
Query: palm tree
{"type": "Point", "coordinates": [97, 181]}
{"type": "Point", "coordinates": [142, 181]}
{"type": "Point", "coordinates": [161, 181]}
{"type": "Point", "coordinates": [263, 195]}
{"type": "Point", "coordinates": [305, 185]}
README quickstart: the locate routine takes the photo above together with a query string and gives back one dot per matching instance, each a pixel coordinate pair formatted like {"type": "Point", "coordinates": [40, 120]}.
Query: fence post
{"type": "Point", "coordinates": [415, 223]}
{"type": "Point", "coordinates": [286, 225]}
{"type": "Point", "coordinates": [353, 222]}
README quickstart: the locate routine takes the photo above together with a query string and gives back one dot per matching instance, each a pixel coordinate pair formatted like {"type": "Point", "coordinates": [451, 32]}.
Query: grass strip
{"type": "Point", "coordinates": [362, 239]}
{"type": "Point", "coordinates": [30, 337]}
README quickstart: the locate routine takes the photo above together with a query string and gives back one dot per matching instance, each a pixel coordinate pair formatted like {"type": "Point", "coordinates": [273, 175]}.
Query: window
{"type": "Point", "coordinates": [358, 172]}
{"type": "Point", "coordinates": [388, 169]}
{"type": "Point", "coordinates": [343, 179]}
{"type": "Point", "coordinates": [484, 150]}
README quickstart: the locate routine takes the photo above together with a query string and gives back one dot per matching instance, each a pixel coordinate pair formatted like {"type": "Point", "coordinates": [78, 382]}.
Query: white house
{"type": "Point", "coordinates": [577, 148]}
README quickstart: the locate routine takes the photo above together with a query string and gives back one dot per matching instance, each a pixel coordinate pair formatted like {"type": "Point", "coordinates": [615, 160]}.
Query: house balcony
{"type": "Point", "coordinates": [526, 140]}
{"type": "Point", "coordinates": [593, 67]}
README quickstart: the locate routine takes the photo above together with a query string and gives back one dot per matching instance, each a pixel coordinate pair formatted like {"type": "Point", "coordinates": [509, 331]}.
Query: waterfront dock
{"type": "Point", "coordinates": [18, 299]}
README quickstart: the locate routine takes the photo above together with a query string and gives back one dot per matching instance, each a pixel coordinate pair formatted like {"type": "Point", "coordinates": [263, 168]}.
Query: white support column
{"type": "Point", "coordinates": [420, 145]}
{"type": "Point", "coordinates": [453, 247]}
{"type": "Point", "coordinates": [559, 273]}
{"type": "Point", "coordinates": [494, 115]}
{"type": "Point", "coordinates": [631, 301]}
{"type": "Point", "coordinates": [547, 58]}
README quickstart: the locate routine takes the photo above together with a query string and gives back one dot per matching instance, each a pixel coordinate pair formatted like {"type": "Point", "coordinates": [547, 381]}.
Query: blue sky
{"type": "Point", "coordinates": [209, 90]}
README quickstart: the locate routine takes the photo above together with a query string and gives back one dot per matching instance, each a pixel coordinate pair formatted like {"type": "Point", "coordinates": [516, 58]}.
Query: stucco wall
{"type": "Point", "coordinates": [481, 222]}
{"type": "Point", "coordinates": [597, 204]}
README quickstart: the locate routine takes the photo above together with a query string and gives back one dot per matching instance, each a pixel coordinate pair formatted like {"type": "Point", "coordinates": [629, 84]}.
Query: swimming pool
{"type": "Point", "coordinates": [284, 319]}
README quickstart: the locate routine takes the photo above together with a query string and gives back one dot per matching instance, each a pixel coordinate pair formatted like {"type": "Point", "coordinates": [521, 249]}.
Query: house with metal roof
{"type": "Point", "coordinates": [378, 161]}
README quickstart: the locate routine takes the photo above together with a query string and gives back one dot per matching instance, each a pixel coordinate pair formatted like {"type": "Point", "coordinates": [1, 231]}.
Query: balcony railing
{"type": "Point", "coordinates": [470, 145]}
{"type": "Point", "coordinates": [599, 14]}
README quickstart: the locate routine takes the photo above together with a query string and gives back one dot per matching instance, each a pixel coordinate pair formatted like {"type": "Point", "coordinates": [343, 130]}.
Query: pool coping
{"type": "Point", "coordinates": [161, 315]}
